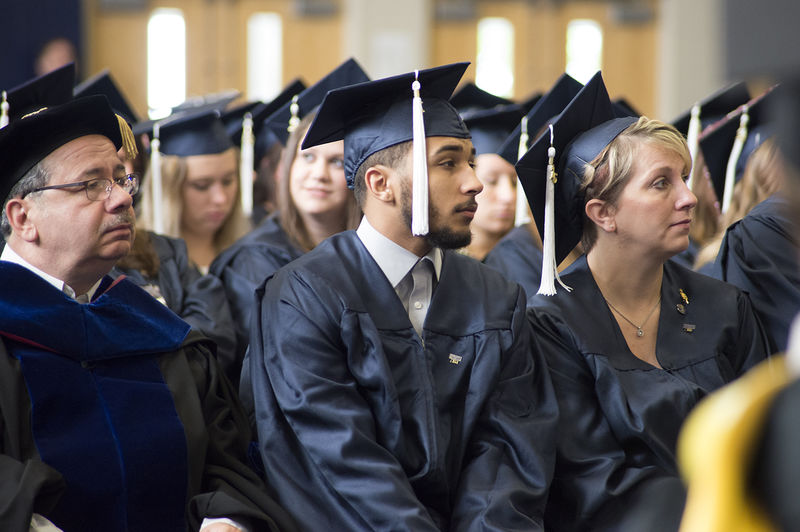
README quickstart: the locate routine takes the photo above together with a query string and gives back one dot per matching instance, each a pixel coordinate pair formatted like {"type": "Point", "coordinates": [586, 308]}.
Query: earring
{"type": "Point", "coordinates": [613, 227]}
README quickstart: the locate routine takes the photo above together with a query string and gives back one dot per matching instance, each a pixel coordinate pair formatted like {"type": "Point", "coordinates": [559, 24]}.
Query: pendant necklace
{"type": "Point", "coordinates": [639, 331]}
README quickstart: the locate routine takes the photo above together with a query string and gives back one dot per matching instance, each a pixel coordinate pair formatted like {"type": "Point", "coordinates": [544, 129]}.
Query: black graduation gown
{"type": "Point", "coordinates": [242, 267]}
{"type": "Point", "coordinates": [620, 416]}
{"type": "Point", "coordinates": [214, 431]}
{"type": "Point", "coordinates": [518, 258]}
{"type": "Point", "coordinates": [198, 299]}
{"type": "Point", "coordinates": [759, 255]}
{"type": "Point", "coordinates": [363, 426]}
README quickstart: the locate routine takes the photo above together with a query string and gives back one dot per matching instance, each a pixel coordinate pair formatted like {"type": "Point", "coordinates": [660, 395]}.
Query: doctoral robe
{"type": "Point", "coordinates": [519, 259]}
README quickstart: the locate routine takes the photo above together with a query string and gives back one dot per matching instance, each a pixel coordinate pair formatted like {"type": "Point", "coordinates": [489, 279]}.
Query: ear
{"type": "Point", "coordinates": [379, 183]}
{"type": "Point", "coordinates": [18, 217]}
{"type": "Point", "coordinates": [602, 214]}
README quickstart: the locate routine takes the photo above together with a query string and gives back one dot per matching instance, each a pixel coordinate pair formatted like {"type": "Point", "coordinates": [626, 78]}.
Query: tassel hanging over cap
{"type": "Point", "coordinates": [246, 165]}
{"type": "Point", "coordinates": [419, 190]}
{"type": "Point", "coordinates": [128, 140]}
{"type": "Point", "coordinates": [521, 214]}
{"type": "Point", "coordinates": [294, 120]}
{"type": "Point", "coordinates": [733, 159]}
{"type": "Point", "coordinates": [549, 267]}
{"type": "Point", "coordinates": [156, 186]}
{"type": "Point", "coordinates": [692, 138]}
{"type": "Point", "coordinates": [4, 111]}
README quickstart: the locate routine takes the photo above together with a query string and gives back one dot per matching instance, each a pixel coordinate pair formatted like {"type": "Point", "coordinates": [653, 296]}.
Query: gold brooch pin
{"type": "Point", "coordinates": [454, 359]}
{"type": "Point", "coordinates": [681, 308]}
{"type": "Point", "coordinates": [683, 296]}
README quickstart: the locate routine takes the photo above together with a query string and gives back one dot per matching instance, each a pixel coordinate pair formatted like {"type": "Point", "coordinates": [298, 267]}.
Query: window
{"type": "Point", "coordinates": [495, 64]}
{"type": "Point", "coordinates": [584, 49]}
{"type": "Point", "coordinates": [166, 61]}
{"type": "Point", "coordinates": [264, 56]}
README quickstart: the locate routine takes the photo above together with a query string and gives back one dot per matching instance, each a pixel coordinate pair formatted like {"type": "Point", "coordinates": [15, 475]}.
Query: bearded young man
{"type": "Point", "coordinates": [396, 383]}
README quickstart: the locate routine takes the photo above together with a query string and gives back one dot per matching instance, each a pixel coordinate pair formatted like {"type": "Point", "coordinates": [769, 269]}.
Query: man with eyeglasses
{"type": "Point", "coordinates": [114, 414]}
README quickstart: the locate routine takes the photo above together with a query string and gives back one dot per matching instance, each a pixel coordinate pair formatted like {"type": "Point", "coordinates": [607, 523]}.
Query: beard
{"type": "Point", "coordinates": [439, 235]}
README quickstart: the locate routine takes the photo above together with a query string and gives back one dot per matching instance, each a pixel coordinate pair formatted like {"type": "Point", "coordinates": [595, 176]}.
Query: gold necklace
{"type": "Point", "coordinates": [639, 331]}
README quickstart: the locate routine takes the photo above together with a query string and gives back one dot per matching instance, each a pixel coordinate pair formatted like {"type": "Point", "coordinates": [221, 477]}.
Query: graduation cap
{"type": "Point", "coordinates": [26, 141]}
{"type": "Point", "coordinates": [528, 103]}
{"type": "Point", "coordinates": [216, 101]}
{"type": "Point", "coordinates": [470, 97]}
{"type": "Point", "coordinates": [490, 127]}
{"type": "Point", "coordinates": [53, 88]}
{"type": "Point", "coordinates": [239, 126]}
{"type": "Point", "coordinates": [622, 108]}
{"type": "Point", "coordinates": [375, 115]}
{"type": "Point", "coordinates": [706, 112]}
{"type": "Point", "coordinates": [103, 83]}
{"type": "Point", "coordinates": [728, 144]}
{"type": "Point", "coordinates": [200, 132]}
{"type": "Point", "coordinates": [285, 119]}
{"type": "Point", "coordinates": [585, 127]}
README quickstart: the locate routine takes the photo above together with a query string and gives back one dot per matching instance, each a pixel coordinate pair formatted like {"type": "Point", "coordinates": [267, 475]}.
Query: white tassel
{"type": "Point", "coordinates": [246, 165]}
{"type": "Point", "coordinates": [521, 214]}
{"type": "Point", "coordinates": [155, 184]}
{"type": "Point", "coordinates": [419, 191]}
{"type": "Point", "coordinates": [294, 119]}
{"type": "Point", "coordinates": [692, 138]}
{"type": "Point", "coordinates": [547, 285]}
{"type": "Point", "coordinates": [4, 111]}
{"type": "Point", "coordinates": [736, 152]}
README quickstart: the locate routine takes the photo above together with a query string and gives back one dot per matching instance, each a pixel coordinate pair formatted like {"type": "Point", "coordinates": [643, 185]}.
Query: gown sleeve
{"type": "Point", "coordinates": [317, 434]}
{"type": "Point", "coordinates": [589, 454]}
{"type": "Point", "coordinates": [510, 461]}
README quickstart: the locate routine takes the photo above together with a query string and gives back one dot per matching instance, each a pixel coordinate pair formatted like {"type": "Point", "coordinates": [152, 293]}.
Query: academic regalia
{"type": "Point", "coordinates": [97, 404]}
{"type": "Point", "coordinates": [198, 299]}
{"type": "Point", "coordinates": [364, 426]}
{"type": "Point", "coordinates": [621, 416]}
{"type": "Point", "coordinates": [518, 258]}
{"type": "Point", "coordinates": [687, 257]}
{"type": "Point", "coordinates": [759, 255]}
{"type": "Point", "coordinates": [244, 266]}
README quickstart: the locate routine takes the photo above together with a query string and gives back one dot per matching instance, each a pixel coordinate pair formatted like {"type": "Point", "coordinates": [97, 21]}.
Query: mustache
{"type": "Point", "coordinates": [467, 205]}
{"type": "Point", "coordinates": [120, 219]}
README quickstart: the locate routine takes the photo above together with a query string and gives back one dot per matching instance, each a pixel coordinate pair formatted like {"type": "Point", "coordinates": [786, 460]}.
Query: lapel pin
{"type": "Point", "coordinates": [689, 327]}
{"type": "Point", "coordinates": [683, 296]}
{"type": "Point", "coordinates": [681, 308]}
{"type": "Point", "coordinates": [454, 359]}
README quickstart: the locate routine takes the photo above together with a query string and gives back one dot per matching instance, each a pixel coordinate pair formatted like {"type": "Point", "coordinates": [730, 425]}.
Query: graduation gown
{"type": "Point", "coordinates": [198, 299]}
{"type": "Point", "coordinates": [364, 426]}
{"type": "Point", "coordinates": [620, 416]}
{"type": "Point", "coordinates": [759, 255]}
{"type": "Point", "coordinates": [242, 267]}
{"type": "Point", "coordinates": [115, 416]}
{"type": "Point", "coordinates": [519, 259]}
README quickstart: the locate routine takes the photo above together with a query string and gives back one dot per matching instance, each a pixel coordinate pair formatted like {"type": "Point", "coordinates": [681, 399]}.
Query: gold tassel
{"type": "Point", "coordinates": [128, 140]}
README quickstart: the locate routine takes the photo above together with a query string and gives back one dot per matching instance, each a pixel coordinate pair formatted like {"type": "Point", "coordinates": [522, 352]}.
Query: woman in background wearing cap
{"type": "Point", "coordinates": [639, 340]}
{"type": "Point", "coordinates": [313, 204]}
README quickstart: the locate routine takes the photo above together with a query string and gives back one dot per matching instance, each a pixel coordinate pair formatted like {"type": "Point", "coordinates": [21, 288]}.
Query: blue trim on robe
{"type": "Point", "coordinates": [95, 387]}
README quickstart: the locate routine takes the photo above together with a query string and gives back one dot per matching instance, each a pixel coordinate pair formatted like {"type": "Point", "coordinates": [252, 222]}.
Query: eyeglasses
{"type": "Point", "coordinates": [95, 188]}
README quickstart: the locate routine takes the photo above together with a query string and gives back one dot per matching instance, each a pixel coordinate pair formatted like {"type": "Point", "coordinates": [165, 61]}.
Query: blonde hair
{"type": "Point", "coordinates": [762, 178]}
{"type": "Point", "coordinates": [606, 176]}
{"type": "Point", "coordinates": [174, 171]}
{"type": "Point", "coordinates": [289, 216]}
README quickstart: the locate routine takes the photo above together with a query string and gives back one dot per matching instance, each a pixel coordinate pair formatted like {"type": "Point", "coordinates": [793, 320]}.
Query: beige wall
{"type": "Point", "coordinates": [216, 42]}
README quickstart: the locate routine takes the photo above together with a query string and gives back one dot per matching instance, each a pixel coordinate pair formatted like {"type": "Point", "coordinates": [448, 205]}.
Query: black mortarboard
{"type": "Point", "coordinates": [375, 115]}
{"type": "Point", "coordinates": [216, 101]}
{"type": "Point", "coordinates": [53, 88]}
{"type": "Point", "coordinates": [715, 106]}
{"type": "Point", "coordinates": [551, 104]}
{"type": "Point", "coordinates": [26, 141]}
{"type": "Point", "coordinates": [585, 127]}
{"type": "Point", "coordinates": [193, 133]}
{"type": "Point", "coordinates": [348, 73]}
{"type": "Point", "coordinates": [622, 108]}
{"type": "Point", "coordinates": [470, 97]}
{"type": "Point", "coordinates": [103, 83]}
{"type": "Point", "coordinates": [717, 142]}
{"type": "Point", "coordinates": [489, 128]}
{"type": "Point", "coordinates": [232, 119]}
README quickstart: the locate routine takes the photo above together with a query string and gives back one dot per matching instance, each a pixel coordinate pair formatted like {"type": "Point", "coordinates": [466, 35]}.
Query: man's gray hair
{"type": "Point", "coordinates": [34, 178]}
